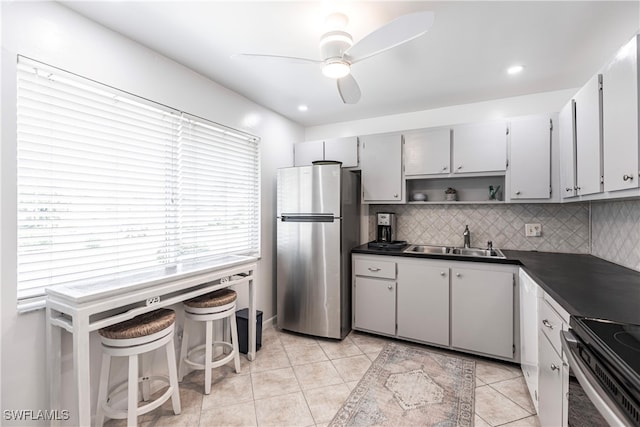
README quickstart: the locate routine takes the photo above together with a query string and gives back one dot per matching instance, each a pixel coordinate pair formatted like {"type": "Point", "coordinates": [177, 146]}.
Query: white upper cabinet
{"type": "Point", "coordinates": [567, 150]}
{"type": "Point", "coordinates": [304, 153]}
{"type": "Point", "coordinates": [381, 165]}
{"type": "Point", "coordinates": [480, 147]}
{"type": "Point", "coordinates": [589, 137]}
{"type": "Point", "coordinates": [343, 150]}
{"type": "Point", "coordinates": [427, 152]}
{"type": "Point", "coordinates": [620, 119]}
{"type": "Point", "coordinates": [530, 154]}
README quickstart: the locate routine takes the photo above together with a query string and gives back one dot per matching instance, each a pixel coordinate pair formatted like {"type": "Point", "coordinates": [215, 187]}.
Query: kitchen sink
{"type": "Point", "coordinates": [429, 249]}
{"type": "Point", "coordinates": [447, 250]}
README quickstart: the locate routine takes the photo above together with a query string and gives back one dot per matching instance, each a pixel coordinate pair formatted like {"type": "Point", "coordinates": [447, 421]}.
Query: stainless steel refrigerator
{"type": "Point", "coordinates": [318, 210]}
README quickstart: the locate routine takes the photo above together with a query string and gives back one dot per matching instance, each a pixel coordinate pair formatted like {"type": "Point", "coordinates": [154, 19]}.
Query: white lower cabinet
{"type": "Point", "coordinates": [423, 302]}
{"type": "Point", "coordinates": [551, 396]}
{"type": "Point", "coordinates": [467, 306]}
{"type": "Point", "coordinates": [530, 294]}
{"type": "Point", "coordinates": [553, 372]}
{"type": "Point", "coordinates": [482, 311]}
{"type": "Point", "coordinates": [375, 302]}
{"type": "Point", "coordinates": [374, 294]}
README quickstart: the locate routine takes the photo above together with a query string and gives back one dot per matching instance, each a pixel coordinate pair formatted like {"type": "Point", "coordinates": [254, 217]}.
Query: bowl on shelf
{"type": "Point", "coordinates": [419, 197]}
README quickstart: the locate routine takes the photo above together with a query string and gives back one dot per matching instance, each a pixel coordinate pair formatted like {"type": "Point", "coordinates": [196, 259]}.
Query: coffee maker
{"type": "Point", "coordinates": [386, 234]}
{"type": "Point", "coordinates": [385, 227]}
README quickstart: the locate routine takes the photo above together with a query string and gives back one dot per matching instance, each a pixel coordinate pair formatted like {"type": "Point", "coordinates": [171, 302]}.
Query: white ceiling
{"type": "Point", "coordinates": [462, 59]}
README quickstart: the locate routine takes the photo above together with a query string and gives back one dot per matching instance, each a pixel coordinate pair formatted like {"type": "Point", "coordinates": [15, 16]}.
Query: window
{"type": "Point", "coordinates": [111, 185]}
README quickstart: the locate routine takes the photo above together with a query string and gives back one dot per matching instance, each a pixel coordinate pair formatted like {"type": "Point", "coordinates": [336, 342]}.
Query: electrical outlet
{"type": "Point", "coordinates": [533, 230]}
{"type": "Point", "coordinates": [153, 300]}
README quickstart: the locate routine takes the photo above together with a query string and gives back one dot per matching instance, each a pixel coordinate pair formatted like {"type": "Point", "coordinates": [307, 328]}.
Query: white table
{"type": "Point", "coordinates": [80, 309]}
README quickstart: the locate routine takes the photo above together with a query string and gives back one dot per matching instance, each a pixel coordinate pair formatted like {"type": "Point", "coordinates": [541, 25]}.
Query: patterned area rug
{"type": "Point", "coordinates": [411, 386]}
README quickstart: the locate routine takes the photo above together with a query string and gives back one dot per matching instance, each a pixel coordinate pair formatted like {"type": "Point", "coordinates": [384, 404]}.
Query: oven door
{"type": "Point", "coordinates": [587, 384]}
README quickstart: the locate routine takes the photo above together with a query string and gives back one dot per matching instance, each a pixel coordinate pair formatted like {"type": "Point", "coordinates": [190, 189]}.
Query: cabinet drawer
{"type": "Point", "coordinates": [374, 268]}
{"type": "Point", "coordinates": [551, 324]}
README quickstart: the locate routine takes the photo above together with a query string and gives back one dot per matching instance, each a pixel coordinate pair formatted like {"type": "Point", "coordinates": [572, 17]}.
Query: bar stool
{"type": "Point", "coordinates": [217, 305]}
{"type": "Point", "coordinates": [133, 338]}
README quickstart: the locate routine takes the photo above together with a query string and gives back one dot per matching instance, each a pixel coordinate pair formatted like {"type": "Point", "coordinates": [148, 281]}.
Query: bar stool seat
{"type": "Point", "coordinates": [133, 338]}
{"type": "Point", "coordinates": [217, 305]}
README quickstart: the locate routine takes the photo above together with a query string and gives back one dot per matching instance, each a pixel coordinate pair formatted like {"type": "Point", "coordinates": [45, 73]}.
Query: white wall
{"type": "Point", "coordinates": [466, 113]}
{"type": "Point", "coordinates": [55, 35]}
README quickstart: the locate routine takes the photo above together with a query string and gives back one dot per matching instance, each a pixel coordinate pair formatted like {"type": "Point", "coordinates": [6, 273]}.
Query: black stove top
{"type": "Point", "coordinates": [617, 345]}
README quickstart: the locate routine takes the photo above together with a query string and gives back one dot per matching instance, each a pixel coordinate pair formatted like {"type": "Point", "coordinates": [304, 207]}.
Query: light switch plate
{"type": "Point", "coordinates": [533, 230]}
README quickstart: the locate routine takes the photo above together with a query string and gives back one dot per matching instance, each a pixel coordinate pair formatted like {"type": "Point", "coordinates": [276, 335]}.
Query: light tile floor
{"type": "Point", "coordinates": [302, 381]}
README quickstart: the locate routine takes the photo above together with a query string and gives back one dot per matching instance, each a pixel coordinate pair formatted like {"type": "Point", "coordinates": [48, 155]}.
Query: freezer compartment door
{"type": "Point", "coordinates": [308, 277]}
{"type": "Point", "coordinates": [309, 190]}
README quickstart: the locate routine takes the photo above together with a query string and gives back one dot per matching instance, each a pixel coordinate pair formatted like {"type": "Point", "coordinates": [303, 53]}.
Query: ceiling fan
{"type": "Point", "coordinates": [339, 53]}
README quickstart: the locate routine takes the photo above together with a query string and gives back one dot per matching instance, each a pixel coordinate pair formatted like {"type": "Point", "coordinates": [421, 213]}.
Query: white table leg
{"type": "Point", "coordinates": [54, 337]}
{"type": "Point", "coordinates": [81, 368]}
{"type": "Point", "coordinates": [251, 355]}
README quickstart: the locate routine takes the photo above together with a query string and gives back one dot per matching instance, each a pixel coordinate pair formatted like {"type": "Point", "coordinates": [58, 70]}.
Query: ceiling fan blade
{"type": "Point", "coordinates": [395, 33]}
{"type": "Point", "coordinates": [349, 89]}
{"type": "Point", "coordinates": [278, 58]}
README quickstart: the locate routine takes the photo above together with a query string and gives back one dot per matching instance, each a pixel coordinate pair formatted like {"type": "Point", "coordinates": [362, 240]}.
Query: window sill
{"type": "Point", "coordinates": [28, 305]}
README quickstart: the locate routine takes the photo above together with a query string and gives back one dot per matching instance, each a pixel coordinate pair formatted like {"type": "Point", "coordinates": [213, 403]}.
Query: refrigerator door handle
{"type": "Point", "coordinates": [307, 218]}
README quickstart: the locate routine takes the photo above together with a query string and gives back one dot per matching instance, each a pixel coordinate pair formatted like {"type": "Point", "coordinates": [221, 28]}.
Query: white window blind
{"type": "Point", "coordinates": [111, 185]}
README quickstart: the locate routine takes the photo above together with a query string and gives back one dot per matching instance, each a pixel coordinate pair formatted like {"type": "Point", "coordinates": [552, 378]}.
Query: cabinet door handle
{"type": "Point", "coordinates": [395, 196]}
{"type": "Point", "coordinates": [374, 269]}
{"type": "Point", "coordinates": [390, 287]}
{"type": "Point", "coordinates": [568, 189]}
{"type": "Point", "coordinates": [445, 168]}
{"type": "Point", "coordinates": [626, 177]}
{"type": "Point", "coordinates": [554, 367]}
{"type": "Point", "coordinates": [459, 167]}
{"type": "Point", "coordinates": [517, 193]}
{"type": "Point", "coordinates": [458, 275]}
{"type": "Point", "coordinates": [442, 273]}
{"type": "Point", "coordinates": [546, 323]}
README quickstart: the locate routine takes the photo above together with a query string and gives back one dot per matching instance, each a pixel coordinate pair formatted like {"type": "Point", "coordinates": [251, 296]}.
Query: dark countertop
{"type": "Point", "coordinates": [584, 285]}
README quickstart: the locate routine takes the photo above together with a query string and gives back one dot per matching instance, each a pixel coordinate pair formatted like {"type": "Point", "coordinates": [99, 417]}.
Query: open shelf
{"type": "Point", "coordinates": [470, 190]}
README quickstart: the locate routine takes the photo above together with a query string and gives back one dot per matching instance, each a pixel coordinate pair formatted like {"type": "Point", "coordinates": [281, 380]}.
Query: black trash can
{"type": "Point", "coordinates": [242, 319]}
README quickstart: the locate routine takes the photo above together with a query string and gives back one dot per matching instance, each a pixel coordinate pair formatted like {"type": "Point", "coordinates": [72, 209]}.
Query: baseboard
{"type": "Point", "coordinates": [270, 322]}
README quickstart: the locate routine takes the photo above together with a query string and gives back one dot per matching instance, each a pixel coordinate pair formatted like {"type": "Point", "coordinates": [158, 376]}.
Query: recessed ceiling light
{"type": "Point", "coordinates": [302, 108]}
{"type": "Point", "coordinates": [515, 69]}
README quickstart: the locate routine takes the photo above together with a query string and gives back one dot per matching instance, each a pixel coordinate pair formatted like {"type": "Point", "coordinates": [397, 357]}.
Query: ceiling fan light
{"type": "Point", "coordinates": [334, 44]}
{"type": "Point", "coordinates": [336, 69]}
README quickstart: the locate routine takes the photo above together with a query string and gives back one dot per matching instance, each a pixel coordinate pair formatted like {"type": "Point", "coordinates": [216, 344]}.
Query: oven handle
{"type": "Point", "coordinates": [598, 396]}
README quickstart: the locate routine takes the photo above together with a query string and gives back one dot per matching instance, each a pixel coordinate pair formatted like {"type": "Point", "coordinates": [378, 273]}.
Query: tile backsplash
{"type": "Point", "coordinates": [565, 228]}
{"type": "Point", "coordinates": [616, 232]}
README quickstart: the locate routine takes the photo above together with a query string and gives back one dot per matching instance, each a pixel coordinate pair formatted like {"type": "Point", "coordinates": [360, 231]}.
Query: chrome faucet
{"type": "Point", "coordinates": [467, 236]}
